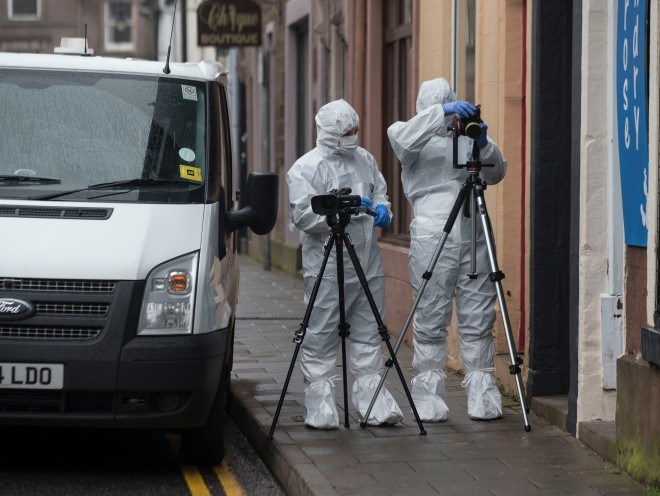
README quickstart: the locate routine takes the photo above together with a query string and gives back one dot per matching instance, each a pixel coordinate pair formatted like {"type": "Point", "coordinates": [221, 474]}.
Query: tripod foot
{"type": "Point", "coordinates": [269, 437]}
{"type": "Point", "coordinates": [528, 428]}
{"type": "Point", "coordinates": [363, 424]}
{"type": "Point", "coordinates": [422, 432]}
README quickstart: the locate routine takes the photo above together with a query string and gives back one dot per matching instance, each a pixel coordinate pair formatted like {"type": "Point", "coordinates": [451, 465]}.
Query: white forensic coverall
{"type": "Point", "coordinates": [431, 184]}
{"type": "Point", "coordinates": [338, 163]}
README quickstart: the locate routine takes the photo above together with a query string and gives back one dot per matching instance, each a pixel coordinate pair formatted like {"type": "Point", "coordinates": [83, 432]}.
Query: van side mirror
{"type": "Point", "coordinates": [260, 211]}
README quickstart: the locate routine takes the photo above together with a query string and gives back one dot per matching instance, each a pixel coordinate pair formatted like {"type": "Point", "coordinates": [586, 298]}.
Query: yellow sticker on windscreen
{"type": "Point", "coordinates": [189, 172]}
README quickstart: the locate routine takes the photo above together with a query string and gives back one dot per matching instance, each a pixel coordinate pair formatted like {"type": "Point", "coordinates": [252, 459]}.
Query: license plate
{"type": "Point", "coordinates": [31, 376]}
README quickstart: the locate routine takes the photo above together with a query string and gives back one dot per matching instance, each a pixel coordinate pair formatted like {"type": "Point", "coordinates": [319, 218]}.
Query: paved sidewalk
{"type": "Point", "coordinates": [456, 457]}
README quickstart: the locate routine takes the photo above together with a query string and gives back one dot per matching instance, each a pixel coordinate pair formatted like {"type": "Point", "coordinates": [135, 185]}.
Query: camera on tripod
{"type": "Point", "coordinates": [469, 126]}
{"type": "Point", "coordinates": [335, 201]}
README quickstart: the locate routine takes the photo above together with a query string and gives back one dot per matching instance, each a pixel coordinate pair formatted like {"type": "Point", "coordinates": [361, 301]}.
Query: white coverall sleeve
{"type": "Point", "coordinates": [491, 154]}
{"type": "Point", "coordinates": [301, 191]}
{"type": "Point", "coordinates": [409, 138]}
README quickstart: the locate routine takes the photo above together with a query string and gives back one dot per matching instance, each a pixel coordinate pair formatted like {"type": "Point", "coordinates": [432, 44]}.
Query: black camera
{"type": "Point", "coordinates": [469, 126]}
{"type": "Point", "coordinates": [335, 201]}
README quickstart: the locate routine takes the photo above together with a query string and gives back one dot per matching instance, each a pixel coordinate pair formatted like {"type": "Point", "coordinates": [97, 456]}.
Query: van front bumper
{"type": "Point", "coordinates": [150, 382]}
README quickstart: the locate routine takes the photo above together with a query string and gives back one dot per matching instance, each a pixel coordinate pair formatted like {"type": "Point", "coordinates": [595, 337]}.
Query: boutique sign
{"type": "Point", "coordinates": [228, 23]}
{"type": "Point", "coordinates": [631, 120]}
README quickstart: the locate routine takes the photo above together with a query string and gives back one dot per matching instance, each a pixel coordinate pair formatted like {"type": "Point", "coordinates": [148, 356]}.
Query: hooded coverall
{"type": "Point", "coordinates": [332, 165]}
{"type": "Point", "coordinates": [431, 184]}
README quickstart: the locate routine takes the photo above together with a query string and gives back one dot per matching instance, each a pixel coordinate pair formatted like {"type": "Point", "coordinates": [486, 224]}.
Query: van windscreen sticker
{"type": "Point", "coordinates": [189, 92]}
{"type": "Point", "coordinates": [191, 173]}
{"type": "Point", "coordinates": [187, 154]}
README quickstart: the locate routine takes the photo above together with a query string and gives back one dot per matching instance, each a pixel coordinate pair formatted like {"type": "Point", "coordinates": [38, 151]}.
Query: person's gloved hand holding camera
{"type": "Point", "coordinates": [482, 140]}
{"type": "Point", "coordinates": [462, 108]}
{"type": "Point", "coordinates": [382, 218]}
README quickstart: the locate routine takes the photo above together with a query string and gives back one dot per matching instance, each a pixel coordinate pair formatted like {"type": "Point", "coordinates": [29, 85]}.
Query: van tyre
{"type": "Point", "coordinates": [206, 445]}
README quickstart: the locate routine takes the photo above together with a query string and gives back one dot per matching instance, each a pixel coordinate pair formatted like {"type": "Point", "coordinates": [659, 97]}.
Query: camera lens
{"type": "Point", "coordinates": [473, 130]}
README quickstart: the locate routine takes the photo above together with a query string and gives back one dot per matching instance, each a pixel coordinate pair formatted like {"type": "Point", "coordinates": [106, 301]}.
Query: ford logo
{"type": "Point", "coordinates": [11, 309]}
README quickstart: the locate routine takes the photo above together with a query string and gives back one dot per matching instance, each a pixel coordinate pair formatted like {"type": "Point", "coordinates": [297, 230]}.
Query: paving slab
{"type": "Point", "coordinates": [460, 456]}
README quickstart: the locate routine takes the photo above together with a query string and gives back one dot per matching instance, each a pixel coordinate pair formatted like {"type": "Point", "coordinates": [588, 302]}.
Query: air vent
{"type": "Point", "coordinates": [55, 212]}
{"type": "Point", "coordinates": [56, 285]}
{"type": "Point", "coordinates": [78, 309]}
{"type": "Point", "coordinates": [43, 332]}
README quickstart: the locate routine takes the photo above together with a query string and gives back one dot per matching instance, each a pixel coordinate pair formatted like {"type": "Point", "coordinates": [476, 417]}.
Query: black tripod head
{"type": "Point", "coordinates": [338, 205]}
{"type": "Point", "coordinates": [457, 128]}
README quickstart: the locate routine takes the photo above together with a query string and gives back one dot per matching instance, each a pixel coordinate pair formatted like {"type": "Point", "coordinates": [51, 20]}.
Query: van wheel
{"type": "Point", "coordinates": [206, 445]}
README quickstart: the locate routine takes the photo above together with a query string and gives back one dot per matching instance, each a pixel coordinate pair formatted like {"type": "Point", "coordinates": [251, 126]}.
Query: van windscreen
{"type": "Point", "coordinates": [101, 137]}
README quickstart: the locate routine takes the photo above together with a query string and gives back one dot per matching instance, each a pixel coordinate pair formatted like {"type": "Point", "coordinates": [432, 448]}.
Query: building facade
{"type": "Point", "coordinates": [582, 300]}
{"type": "Point", "coordinates": [113, 27]}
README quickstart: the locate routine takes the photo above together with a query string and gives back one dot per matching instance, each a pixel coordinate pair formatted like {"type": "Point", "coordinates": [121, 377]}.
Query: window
{"type": "Point", "coordinates": [464, 49]}
{"type": "Point", "coordinates": [24, 10]}
{"type": "Point", "coordinates": [398, 72]}
{"type": "Point", "coordinates": [119, 25]}
{"type": "Point", "coordinates": [302, 89]}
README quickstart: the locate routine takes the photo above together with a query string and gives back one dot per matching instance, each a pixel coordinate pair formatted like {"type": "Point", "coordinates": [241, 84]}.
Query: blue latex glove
{"type": "Point", "coordinates": [464, 109]}
{"type": "Point", "coordinates": [482, 140]}
{"type": "Point", "coordinates": [366, 202]}
{"type": "Point", "coordinates": [382, 218]}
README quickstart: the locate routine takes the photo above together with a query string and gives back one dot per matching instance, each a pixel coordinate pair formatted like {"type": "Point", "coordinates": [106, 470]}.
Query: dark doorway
{"type": "Point", "coordinates": [551, 178]}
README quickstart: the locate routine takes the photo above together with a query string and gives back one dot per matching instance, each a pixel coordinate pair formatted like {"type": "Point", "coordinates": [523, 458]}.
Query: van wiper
{"type": "Point", "coordinates": [128, 182]}
{"type": "Point", "coordinates": [12, 178]}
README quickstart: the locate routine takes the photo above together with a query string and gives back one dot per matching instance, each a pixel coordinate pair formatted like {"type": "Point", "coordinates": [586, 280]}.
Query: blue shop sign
{"type": "Point", "coordinates": [632, 124]}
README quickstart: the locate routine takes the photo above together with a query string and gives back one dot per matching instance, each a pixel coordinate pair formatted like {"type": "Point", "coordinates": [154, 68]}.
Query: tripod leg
{"type": "Point", "coordinates": [300, 333]}
{"type": "Point", "coordinates": [496, 277]}
{"type": "Point", "coordinates": [418, 297]}
{"type": "Point", "coordinates": [381, 328]}
{"type": "Point", "coordinates": [343, 326]}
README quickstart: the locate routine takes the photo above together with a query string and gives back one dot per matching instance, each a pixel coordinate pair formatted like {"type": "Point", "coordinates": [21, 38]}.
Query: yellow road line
{"type": "Point", "coordinates": [228, 481]}
{"type": "Point", "coordinates": [195, 481]}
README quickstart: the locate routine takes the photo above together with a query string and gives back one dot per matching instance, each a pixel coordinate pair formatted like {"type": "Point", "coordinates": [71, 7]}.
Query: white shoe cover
{"type": "Point", "coordinates": [428, 388]}
{"type": "Point", "coordinates": [385, 410]}
{"type": "Point", "coordinates": [366, 364]}
{"type": "Point", "coordinates": [484, 398]}
{"type": "Point", "coordinates": [320, 406]}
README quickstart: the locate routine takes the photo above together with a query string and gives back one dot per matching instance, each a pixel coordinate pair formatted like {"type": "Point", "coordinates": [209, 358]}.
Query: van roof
{"type": "Point", "coordinates": [205, 70]}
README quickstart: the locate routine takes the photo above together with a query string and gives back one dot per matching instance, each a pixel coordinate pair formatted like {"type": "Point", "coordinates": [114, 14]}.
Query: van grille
{"type": "Point", "coordinates": [66, 310]}
{"type": "Point", "coordinates": [90, 309]}
{"type": "Point", "coordinates": [47, 332]}
{"type": "Point", "coordinates": [55, 285]}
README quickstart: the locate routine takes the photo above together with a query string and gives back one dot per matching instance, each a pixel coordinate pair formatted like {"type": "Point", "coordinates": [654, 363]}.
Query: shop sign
{"type": "Point", "coordinates": [631, 120]}
{"type": "Point", "coordinates": [228, 23]}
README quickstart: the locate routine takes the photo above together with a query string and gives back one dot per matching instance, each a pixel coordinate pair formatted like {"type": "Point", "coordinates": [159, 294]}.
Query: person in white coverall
{"type": "Point", "coordinates": [431, 184]}
{"type": "Point", "coordinates": [337, 162]}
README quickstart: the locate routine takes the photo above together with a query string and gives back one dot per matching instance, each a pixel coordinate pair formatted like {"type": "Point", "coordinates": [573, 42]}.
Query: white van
{"type": "Point", "coordinates": [118, 269]}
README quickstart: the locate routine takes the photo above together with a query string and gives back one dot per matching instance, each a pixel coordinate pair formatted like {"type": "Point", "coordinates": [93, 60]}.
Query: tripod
{"type": "Point", "coordinates": [338, 223]}
{"type": "Point", "coordinates": [471, 197]}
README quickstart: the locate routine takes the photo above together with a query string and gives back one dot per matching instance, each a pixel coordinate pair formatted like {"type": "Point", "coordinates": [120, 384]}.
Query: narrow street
{"type": "Point", "coordinates": [77, 462]}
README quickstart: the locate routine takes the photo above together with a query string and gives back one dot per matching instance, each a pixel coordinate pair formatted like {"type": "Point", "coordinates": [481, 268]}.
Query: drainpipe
{"type": "Point", "coordinates": [265, 136]}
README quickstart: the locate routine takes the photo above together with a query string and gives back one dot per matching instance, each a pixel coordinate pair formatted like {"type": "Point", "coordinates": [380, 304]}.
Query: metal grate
{"type": "Point", "coordinates": [83, 309]}
{"type": "Point", "coordinates": [55, 285]}
{"type": "Point", "coordinates": [56, 212]}
{"type": "Point", "coordinates": [30, 401]}
{"type": "Point", "coordinates": [43, 332]}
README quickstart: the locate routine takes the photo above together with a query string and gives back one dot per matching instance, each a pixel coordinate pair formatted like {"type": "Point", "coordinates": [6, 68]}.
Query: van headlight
{"type": "Point", "coordinates": [169, 298]}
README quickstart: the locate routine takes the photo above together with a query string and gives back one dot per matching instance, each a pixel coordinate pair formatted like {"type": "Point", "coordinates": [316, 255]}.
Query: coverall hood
{"type": "Point", "coordinates": [334, 120]}
{"type": "Point", "coordinates": [433, 92]}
